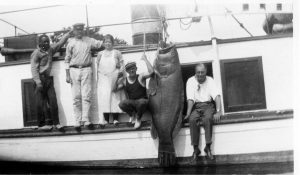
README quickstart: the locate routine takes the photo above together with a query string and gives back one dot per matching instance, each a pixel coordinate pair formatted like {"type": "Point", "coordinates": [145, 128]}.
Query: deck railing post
{"type": "Point", "coordinates": [216, 62]}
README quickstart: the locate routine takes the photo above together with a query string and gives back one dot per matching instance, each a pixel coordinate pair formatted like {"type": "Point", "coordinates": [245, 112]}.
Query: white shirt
{"type": "Point", "coordinates": [78, 51]}
{"type": "Point", "coordinates": [208, 90]}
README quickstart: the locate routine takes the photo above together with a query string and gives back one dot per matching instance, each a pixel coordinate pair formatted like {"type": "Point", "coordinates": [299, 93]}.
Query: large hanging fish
{"type": "Point", "coordinates": [166, 98]}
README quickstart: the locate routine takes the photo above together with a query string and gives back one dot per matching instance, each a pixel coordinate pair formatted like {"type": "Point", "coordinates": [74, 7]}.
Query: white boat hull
{"type": "Point", "coordinates": [250, 142]}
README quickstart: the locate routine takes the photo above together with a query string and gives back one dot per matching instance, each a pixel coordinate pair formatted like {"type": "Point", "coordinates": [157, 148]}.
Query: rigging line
{"type": "Point", "coordinates": [29, 9]}
{"type": "Point", "coordinates": [13, 25]}
{"type": "Point", "coordinates": [108, 25]}
{"type": "Point", "coordinates": [241, 24]}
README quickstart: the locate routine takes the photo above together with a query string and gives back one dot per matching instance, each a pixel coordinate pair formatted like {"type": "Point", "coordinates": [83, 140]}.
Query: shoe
{"type": "Point", "coordinates": [45, 128]}
{"type": "Point", "coordinates": [208, 153]}
{"type": "Point", "coordinates": [116, 123]}
{"type": "Point", "coordinates": [77, 128]}
{"type": "Point", "coordinates": [88, 125]}
{"type": "Point", "coordinates": [102, 125]}
{"type": "Point", "coordinates": [196, 154]}
{"type": "Point", "coordinates": [131, 121]}
{"type": "Point", "coordinates": [60, 128]}
{"type": "Point", "coordinates": [137, 124]}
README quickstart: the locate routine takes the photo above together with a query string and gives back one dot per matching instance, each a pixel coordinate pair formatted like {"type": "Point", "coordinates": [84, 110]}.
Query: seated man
{"type": "Point", "coordinates": [135, 88]}
{"type": "Point", "coordinates": [201, 91]}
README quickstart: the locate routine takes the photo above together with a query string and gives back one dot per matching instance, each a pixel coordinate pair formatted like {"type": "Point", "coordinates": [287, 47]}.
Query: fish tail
{"type": "Point", "coordinates": [166, 159]}
{"type": "Point", "coordinates": [166, 154]}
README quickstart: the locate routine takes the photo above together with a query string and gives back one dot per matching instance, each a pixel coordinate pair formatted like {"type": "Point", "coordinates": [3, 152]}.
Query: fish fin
{"type": "Point", "coordinates": [152, 87]}
{"type": "Point", "coordinates": [153, 131]}
{"type": "Point", "coordinates": [180, 118]}
{"type": "Point", "coordinates": [177, 126]}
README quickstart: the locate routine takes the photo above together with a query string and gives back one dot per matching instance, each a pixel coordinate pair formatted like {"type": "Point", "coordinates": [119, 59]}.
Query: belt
{"type": "Point", "coordinates": [206, 102]}
{"type": "Point", "coordinates": [80, 67]}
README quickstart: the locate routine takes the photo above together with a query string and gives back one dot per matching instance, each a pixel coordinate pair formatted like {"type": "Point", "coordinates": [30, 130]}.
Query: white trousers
{"type": "Point", "coordinates": [81, 92]}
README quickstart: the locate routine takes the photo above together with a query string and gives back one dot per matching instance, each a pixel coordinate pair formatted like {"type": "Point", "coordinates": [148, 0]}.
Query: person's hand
{"type": "Point", "coordinates": [68, 79]}
{"type": "Point", "coordinates": [71, 31]}
{"type": "Point", "coordinates": [186, 118]}
{"type": "Point", "coordinates": [118, 65]}
{"type": "Point", "coordinates": [39, 87]}
{"type": "Point", "coordinates": [120, 74]}
{"type": "Point", "coordinates": [217, 117]}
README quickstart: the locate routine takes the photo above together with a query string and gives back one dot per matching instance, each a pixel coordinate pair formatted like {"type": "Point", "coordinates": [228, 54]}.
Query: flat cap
{"type": "Point", "coordinates": [130, 65]}
{"type": "Point", "coordinates": [78, 26]}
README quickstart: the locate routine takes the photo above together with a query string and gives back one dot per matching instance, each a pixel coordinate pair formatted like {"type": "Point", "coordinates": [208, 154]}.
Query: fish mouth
{"type": "Point", "coordinates": [165, 50]}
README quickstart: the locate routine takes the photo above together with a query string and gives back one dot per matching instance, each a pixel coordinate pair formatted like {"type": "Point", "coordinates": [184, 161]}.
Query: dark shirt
{"type": "Point", "coordinates": [41, 61]}
{"type": "Point", "coordinates": [135, 90]}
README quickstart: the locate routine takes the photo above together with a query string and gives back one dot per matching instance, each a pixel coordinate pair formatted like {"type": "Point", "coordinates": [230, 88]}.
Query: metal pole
{"type": "Point", "coordinates": [216, 63]}
{"type": "Point", "coordinates": [87, 21]}
{"type": "Point", "coordinates": [15, 30]}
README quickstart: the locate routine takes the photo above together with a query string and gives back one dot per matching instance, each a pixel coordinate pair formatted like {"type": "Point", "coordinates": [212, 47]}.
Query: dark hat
{"type": "Point", "coordinates": [78, 26]}
{"type": "Point", "coordinates": [130, 65]}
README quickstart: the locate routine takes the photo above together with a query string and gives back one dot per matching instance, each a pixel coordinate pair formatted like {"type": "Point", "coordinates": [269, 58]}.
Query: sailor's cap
{"type": "Point", "coordinates": [130, 65]}
{"type": "Point", "coordinates": [79, 26]}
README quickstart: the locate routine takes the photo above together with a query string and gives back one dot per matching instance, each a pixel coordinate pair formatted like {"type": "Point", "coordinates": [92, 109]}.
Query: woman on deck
{"type": "Point", "coordinates": [109, 66]}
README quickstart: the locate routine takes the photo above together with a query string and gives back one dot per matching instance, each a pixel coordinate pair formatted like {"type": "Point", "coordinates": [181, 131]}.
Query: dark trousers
{"type": "Point", "coordinates": [138, 106]}
{"type": "Point", "coordinates": [201, 112]}
{"type": "Point", "coordinates": [47, 110]}
{"type": "Point", "coordinates": [115, 116]}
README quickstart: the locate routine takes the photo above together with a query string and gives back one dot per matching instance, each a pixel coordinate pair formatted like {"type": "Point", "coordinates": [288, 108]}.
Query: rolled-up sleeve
{"type": "Point", "coordinates": [68, 56]}
{"type": "Point", "coordinates": [189, 90]}
{"type": "Point", "coordinates": [35, 67]}
{"type": "Point", "coordinates": [96, 43]}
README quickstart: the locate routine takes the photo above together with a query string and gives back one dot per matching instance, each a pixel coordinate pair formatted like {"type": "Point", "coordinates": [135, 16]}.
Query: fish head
{"type": "Point", "coordinates": [167, 61]}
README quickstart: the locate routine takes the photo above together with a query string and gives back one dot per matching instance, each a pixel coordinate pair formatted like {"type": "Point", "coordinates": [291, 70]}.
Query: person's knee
{"type": "Point", "coordinates": [122, 104]}
{"type": "Point", "coordinates": [208, 119]}
{"type": "Point", "coordinates": [193, 120]}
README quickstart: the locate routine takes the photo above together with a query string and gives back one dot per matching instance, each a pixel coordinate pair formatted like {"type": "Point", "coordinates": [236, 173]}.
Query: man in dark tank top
{"type": "Point", "coordinates": [135, 87]}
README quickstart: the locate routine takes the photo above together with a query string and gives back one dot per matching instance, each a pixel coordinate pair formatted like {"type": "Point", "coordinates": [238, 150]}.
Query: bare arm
{"type": "Point", "coordinates": [149, 67]}
{"type": "Point", "coordinates": [67, 63]}
{"type": "Point", "coordinates": [120, 83]}
{"type": "Point", "coordinates": [217, 115]}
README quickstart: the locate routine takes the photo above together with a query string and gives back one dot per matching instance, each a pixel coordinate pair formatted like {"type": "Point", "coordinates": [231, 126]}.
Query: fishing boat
{"type": "Point", "coordinates": [253, 73]}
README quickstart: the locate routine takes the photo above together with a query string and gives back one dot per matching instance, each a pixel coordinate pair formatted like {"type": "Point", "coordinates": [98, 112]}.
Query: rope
{"type": "Point", "coordinates": [14, 11]}
{"type": "Point", "coordinates": [188, 25]}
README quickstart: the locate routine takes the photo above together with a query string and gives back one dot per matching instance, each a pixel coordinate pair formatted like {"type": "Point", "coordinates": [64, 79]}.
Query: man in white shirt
{"type": "Point", "coordinates": [201, 91]}
{"type": "Point", "coordinates": [78, 63]}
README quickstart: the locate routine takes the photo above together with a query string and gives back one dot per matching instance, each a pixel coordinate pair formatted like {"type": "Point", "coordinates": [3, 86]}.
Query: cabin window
{"type": "Point", "coordinates": [29, 110]}
{"type": "Point", "coordinates": [245, 7]}
{"type": "Point", "coordinates": [243, 84]}
{"type": "Point", "coordinates": [19, 42]}
{"type": "Point", "coordinates": [189, 71]}
{"type": "Point", "coordinates": [279, 7]}
{"type": "Point", "coordinates": [262, 6]}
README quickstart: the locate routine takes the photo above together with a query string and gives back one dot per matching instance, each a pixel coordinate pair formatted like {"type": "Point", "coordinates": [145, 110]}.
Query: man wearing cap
{"type": "Point", "coordinates": [135, 88]}
{"type": "Point", "coordinates": [41, 63]}
{"type": "Point", "coordinates": [78, 63]}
